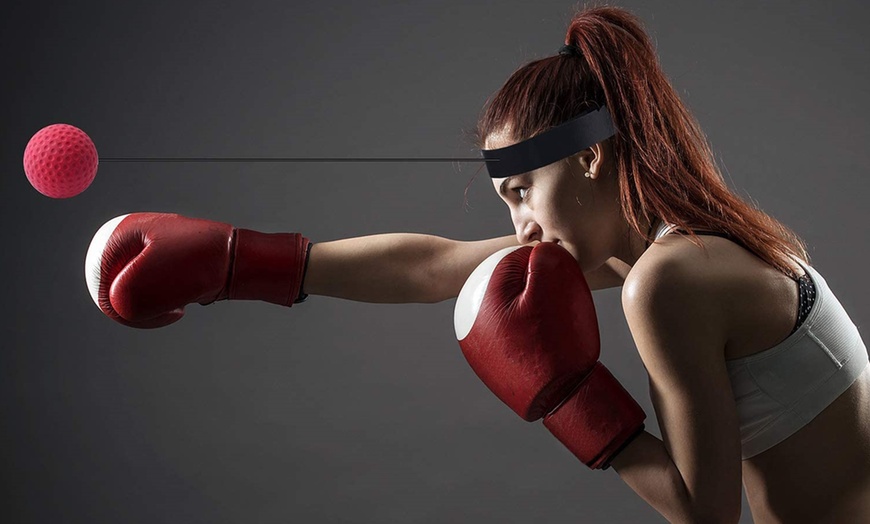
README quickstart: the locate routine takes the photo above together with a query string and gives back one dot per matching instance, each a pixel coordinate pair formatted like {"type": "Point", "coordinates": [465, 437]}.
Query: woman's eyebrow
{"type": "Point", "coordinates": [502, 189]}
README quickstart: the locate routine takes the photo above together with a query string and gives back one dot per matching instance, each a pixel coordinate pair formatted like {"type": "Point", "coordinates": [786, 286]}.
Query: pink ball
{"type": "Point", "coordinates": [60, 161]}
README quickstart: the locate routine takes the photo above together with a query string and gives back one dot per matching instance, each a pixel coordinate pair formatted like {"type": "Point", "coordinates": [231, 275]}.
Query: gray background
{"type": "Point", "coordinates": [338, 411]}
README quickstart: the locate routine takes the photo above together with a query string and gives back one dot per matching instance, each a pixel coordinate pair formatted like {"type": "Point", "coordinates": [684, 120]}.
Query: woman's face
{"type": "Point", "coordinates": [558, 203]}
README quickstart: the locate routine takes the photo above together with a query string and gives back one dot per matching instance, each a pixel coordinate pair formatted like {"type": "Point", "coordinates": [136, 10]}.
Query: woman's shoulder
{"type": "Point", "coordinates": [723, 270]}
{"type": "Point", "coordinates": [675, 280]}
{"type": "Point", "coordinates": [674, 252]}
{"type": "Point", "coordinates": [717, 257]}
{"type": "Point", "coordinates": [718, 269]}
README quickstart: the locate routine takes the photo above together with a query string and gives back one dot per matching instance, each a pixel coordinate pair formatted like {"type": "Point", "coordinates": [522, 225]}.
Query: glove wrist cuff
{"type": "Point", "coordinates": [268, 267]}
{"type": "Point", "coordinates": [597, 420]}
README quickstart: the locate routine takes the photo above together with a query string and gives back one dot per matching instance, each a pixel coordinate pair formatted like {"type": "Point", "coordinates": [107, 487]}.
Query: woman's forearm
{"type": "Point", "coordinates": [385, 268]}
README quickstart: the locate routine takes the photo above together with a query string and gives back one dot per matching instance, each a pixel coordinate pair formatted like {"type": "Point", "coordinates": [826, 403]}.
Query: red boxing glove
{"type": "Point", "coordinates": [526, 323]}
{"type": "Point", "coordinates": [142, 269]}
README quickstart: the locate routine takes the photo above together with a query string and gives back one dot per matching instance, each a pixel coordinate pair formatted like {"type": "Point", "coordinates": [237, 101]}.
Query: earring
{"type": "Point", "coordinates": [588, 174]}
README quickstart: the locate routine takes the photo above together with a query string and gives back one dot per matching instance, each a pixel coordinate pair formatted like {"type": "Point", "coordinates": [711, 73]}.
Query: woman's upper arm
{"type": "Point", "coordinates": [677, 322]}
{"type": "Point", "coordinates": [459, 258]}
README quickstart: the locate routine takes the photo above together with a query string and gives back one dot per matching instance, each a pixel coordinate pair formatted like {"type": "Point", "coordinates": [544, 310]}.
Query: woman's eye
{"type": "Point", "coordinates": [519, 191]}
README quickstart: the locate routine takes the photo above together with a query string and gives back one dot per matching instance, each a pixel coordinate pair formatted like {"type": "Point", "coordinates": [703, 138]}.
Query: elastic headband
{"type": "Point", "coordinates": [554, 144]}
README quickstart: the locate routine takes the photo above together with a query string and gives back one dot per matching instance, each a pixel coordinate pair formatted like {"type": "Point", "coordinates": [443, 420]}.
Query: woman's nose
{"type": "Point", "coordinates": [527, 232]}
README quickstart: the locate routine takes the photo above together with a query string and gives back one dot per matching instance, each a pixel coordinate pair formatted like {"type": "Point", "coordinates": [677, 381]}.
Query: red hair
{"type": "Point", "coordinates": [664, 164]}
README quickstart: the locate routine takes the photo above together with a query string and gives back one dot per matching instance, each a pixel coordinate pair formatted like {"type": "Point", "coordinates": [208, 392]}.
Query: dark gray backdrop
{"type": "Point", "coordinates": [336, 411]}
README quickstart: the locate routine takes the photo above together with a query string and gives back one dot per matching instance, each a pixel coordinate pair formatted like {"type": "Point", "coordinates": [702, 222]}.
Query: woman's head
{"type": "Point", "coordinates": [573, 202]}
{"type": "Point", "coordinates": [658, 165]}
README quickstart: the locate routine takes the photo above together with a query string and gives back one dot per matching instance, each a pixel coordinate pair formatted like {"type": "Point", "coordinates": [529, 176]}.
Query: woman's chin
{"type": "Point", "coordinates": [569, 249]}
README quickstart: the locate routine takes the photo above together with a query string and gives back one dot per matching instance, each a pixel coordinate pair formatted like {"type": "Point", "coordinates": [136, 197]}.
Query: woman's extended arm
{"type": "Point", "coordinates": [410, 267]}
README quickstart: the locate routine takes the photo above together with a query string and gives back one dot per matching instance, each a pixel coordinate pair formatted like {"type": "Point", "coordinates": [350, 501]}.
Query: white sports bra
{"type": "Point", "coordinates": [779, 390]}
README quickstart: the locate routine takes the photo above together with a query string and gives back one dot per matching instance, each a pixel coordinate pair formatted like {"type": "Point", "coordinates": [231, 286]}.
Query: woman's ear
{"type": "Point", "coordinates": [585, 159]}
{"type": "Point", "coordinates": [595, 159]}
{"type": "Point", "coordinates": [589, 160]}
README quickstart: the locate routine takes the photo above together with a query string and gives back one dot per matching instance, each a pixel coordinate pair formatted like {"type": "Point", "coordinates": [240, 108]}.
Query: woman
{"type": "Point", "coordinates": [756, 373]}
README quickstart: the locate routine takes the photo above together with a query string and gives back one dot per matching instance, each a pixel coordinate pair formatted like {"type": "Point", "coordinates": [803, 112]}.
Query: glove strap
{"type": "Point", "coordinates": [303, 296]}
{"type": "Point", "coordinates": [597, 420]}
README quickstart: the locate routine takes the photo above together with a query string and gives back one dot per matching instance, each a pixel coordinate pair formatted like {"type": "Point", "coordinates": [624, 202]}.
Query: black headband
{"type": "Point", "coordinates": [554, 144]}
